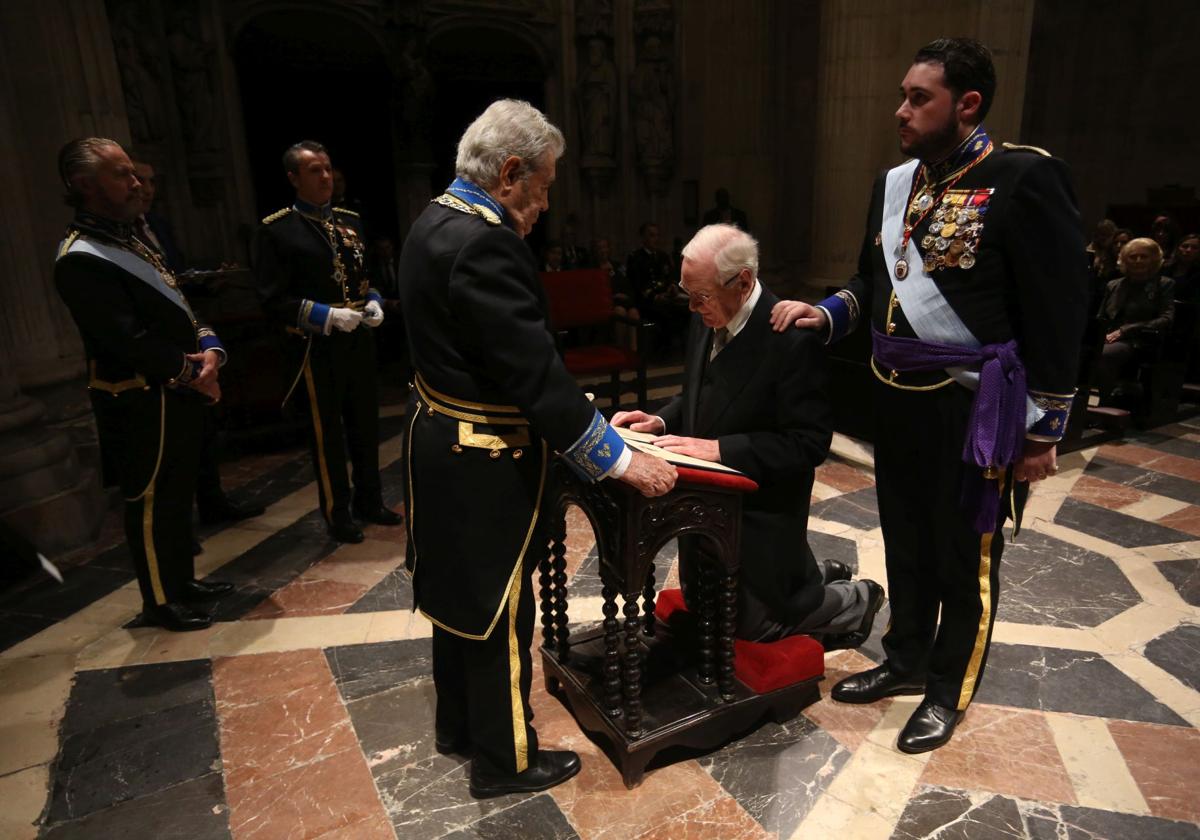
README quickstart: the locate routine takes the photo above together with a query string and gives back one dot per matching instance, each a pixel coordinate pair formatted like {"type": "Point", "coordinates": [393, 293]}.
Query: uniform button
{"type": "Point", "coordinates": [494, 454]}
{"type": "Point", "coordinates": [895, 373]}
{"type": "Point", "coordinates": [456, 449]}
{"type": "Point", "coordinates": [891, 328]}
{"type": "Point", "coordinates": [517, 453]}
{"type": "Point", "coordinates": [430, 411]}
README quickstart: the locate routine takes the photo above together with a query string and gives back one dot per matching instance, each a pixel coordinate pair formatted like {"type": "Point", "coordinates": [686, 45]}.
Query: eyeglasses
{"type": "Point", "coordinates": [702, 298]}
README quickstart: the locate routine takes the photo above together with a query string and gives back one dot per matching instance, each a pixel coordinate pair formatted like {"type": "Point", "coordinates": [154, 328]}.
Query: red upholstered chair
{"type": "Point", "coordinates": [582, 300]}
{"type": "Point", "coordinates": [761, 666]}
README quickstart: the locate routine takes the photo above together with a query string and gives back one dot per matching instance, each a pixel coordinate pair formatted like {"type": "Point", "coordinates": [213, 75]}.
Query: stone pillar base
{"type": "Point", "coordinates": [65, 520]}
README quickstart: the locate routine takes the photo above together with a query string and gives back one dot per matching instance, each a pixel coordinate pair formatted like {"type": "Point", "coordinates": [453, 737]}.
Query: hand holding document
{"type": "Point", "coordinates": [644, 442]}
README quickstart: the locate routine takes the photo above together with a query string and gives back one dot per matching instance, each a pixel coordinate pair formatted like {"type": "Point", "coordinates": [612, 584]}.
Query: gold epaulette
{"type": "Point", "coordinates": [347, 212]}
{"type": "Point", "coordinates": [67, 243]}
{"type": "Point", "coordinates": [277, 215]}
{"type": "Point", "coordinates": [456, 203]}
{"type": "Point", "coordinates": [1017, 147]}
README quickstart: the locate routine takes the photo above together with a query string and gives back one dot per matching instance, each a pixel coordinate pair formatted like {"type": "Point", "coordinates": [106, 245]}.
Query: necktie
{"type": "Point", "coordinates": [720, 339]}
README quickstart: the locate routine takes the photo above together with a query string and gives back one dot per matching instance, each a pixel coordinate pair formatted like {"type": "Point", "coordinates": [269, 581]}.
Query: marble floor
{"type": "Point", "coordinates": [306, 711]}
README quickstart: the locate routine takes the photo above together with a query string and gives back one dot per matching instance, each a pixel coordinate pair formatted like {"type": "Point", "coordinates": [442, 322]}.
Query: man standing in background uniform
{"type": "Point", "coordinates": [973, 279]}
{"type": "Point", "coordinates": [492, 405]}
{"type": "Point", "coordinates": [151, 368]}
{"type": "Point", "coordinates": [312, 277]}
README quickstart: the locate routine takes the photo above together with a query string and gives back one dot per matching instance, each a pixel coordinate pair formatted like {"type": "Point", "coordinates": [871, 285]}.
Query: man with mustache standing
{"type": "Point", "coordinates": [971, 275]}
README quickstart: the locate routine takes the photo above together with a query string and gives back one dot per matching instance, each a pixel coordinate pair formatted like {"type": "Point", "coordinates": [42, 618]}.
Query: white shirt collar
{"type": "Point", "coordinates": [738, 321]}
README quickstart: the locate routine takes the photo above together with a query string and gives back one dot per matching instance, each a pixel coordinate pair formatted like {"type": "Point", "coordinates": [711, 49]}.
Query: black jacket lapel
{"type": "Point", "coordinates": [733, 368]}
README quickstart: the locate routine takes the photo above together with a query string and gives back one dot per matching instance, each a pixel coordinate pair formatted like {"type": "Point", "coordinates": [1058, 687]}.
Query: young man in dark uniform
{"type": "Point", "coordinates": [971, 277]}
{"type": "Point", "coordinates": [151, 368]}
{"type": "Point", "coordinates": [310, 262]}
{"type": "Point", "coordinates": [492, 404]}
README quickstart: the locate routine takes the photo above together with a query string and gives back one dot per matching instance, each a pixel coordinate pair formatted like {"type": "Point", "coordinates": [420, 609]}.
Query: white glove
{"type": "Point", "coordinates": [343, 319]}
{"type": "Point", "coordinates": [373, 314]}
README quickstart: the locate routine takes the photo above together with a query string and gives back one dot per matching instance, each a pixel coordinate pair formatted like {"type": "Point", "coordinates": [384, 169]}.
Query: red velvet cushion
{"type": "Point", "coordinates": [599, 359]}
{"type": "Point", "coordinates": [762, 666]}
{"type": "Point", "coordinates": [715, 478]}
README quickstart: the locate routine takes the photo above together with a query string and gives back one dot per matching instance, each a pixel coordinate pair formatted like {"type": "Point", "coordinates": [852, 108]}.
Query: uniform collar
{"type": "Point", "coordinates": [975, 146]}
{"type": "Point", "coordinates": [323, 212]}
{"type": "Point", "coordinates": [103, 227]}
{"type": "Point", "coordinates": [474, 194]}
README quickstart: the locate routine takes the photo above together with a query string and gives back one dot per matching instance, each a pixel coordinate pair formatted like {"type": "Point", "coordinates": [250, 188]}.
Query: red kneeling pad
{"type": "Point", "coordinates": [762, 666]}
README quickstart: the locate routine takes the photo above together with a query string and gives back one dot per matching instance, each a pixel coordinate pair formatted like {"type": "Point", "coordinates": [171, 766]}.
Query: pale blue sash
{"type": "Point", "coordinates": [135, 265]}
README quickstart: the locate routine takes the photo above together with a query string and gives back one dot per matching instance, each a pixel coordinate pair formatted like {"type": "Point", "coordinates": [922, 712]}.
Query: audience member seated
{"type": "Point", "coordinates": [652, 284]}
{"type": "Point", "coordinates": [1184, 268]}
{"type": "Point", "coordinates": [623, 300]}
{"type": "Point", "coordinates": [1165, 231]}
{"type": "Point", "coordinates": [1101, 260]}
{"type": "Point", "coordinates": [552, 256]}
{"type": "Point", "coordinates": [574, 255]}
{"type": "Point", "coordinates": [1136, 314]}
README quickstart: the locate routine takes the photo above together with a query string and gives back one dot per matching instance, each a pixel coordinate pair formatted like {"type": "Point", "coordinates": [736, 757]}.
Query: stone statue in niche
{"type": "Point", "coordinates": [652, 94]}
{"type": "Point", "coordinates": [593, 17]}
{"type": "Point", "coordinates": [191, 56]}
{"type": "Point", "coordinates": [416, 96]}
{"type": "Point", "coordinates": [139, 62]}
{"type": "Point", "coordinates": [598, 101]}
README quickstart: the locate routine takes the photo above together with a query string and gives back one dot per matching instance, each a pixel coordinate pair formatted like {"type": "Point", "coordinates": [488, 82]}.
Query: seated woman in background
{"type": "Point", "coordinates": [1184, 268]}
{"type": "Point", "coordinates": [1136, 313]}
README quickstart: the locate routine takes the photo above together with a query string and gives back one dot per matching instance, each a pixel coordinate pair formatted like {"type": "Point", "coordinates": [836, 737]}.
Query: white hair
{"type": "Point", "coordinates": [727, 248]}
{"type": "Point", "coordinates": [508, 128]}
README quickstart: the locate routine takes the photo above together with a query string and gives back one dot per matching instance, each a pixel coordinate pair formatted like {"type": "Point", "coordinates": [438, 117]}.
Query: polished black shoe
{"type": "Point", "coordinates": [857, 638]}
{"type": "Point", "coordinates": [346, 532]}
{"type": "Point", "coordinates": [227, 511]}
{"type": "Point", "coordinates": [379, 516]}
{"type": "Point", "coordinates": [550, 768]}
{"type": "Point", "coordinates": [178, 618]}
{"type": "Point", "coordinates": [929, 727]}
{"type": "Point", "coordinates": [836, 570]}
{"type": "Point", "coordinates": [876, 684]}
{"type": "Point", "coordinates": [200, 590]}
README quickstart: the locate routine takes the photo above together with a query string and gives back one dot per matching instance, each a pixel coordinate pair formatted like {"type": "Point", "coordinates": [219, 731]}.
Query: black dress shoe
{"type": "Point", "coordinates": [836, 570]}
{"type": "Point", "coordinates": [929, 727]}
{"type": "Point", "coordinates": [876, 684]}
{"type": "Point", "coordinates": [346, 532]}
{"type": "Point", "coordinates": [549, 768]}
{"type": "Point", "coordinates": [227, 511]}
{"type": "Point", "coordinates": [856, 638]}
{"type": "Point", "coordinates": [199, 590]}
{"type": "Point", "coordinates": [197, 549]}
{"type": "Point", "coordinates": [175, 617]}
{"type": "Point", "coordinates": [379, 515]}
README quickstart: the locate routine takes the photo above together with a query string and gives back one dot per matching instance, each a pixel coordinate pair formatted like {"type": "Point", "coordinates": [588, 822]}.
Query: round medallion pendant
{"type": "Point", "coordinates": [901, 269]}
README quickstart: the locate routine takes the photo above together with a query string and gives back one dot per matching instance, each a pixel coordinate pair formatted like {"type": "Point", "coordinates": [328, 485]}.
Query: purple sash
{"type": "Point", "coordinates": [996, 430]}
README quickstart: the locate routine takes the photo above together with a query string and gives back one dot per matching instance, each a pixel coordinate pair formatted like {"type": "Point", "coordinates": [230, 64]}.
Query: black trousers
{"type": "Point", "coordinates": [483, 685]}
{"type": "Point", "coordinates": [343, 397]}
{"type": "Point", "coordinates": [154, 440]}
{"type": "Point", "coordinates": [936, 562]}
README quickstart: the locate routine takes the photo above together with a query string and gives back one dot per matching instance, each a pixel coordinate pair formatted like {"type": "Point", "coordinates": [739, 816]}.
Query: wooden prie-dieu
{"type": "Point", "coordinates": [638, 685]}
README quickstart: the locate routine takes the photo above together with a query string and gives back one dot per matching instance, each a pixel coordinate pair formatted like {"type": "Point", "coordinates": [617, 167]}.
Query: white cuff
{"type": "Point", "coordinates": [618, 469]}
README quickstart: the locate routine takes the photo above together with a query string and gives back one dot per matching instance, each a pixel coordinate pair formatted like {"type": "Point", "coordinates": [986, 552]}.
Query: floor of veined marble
{"type": "Point", "coordinates": [306, 711]}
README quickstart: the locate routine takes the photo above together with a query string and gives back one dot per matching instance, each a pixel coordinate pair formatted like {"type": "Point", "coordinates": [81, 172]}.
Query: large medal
{"type": "Point", "coordinates": [901, 268]}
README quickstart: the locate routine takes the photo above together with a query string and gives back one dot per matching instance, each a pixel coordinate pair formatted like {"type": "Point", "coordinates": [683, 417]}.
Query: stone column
{"type": "Point", "coordinates": [864, 51]}
{"type": "Point", "coordinates": [46, 494]}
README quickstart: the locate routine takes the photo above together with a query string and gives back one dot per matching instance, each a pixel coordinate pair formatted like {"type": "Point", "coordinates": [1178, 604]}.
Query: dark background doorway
{"type": "Point", "coordinates": [314, 76]}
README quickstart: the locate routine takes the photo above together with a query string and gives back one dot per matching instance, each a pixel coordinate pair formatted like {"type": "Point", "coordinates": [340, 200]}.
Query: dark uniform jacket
{"type": "Point", "coordinates": [493, 400]}
{"type": "Point", "coordinates": [1010, 289]}
{"type": "Point", "coordinates": [135, 334]}
{"type": "Point", "coordinates": [297, 272]}
{"type": "Point", "coordinates": [763, 399]}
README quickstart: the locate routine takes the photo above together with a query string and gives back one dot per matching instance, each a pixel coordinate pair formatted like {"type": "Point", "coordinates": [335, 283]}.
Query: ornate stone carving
{"type": "Point", "coordinates": [652, 94]}
{"type": "Point", "coordinates": [598, 106]}
{"type": "Point", "coordinates": [192, 53]}
{"type": "Point", "coordinates": [140, 62]}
